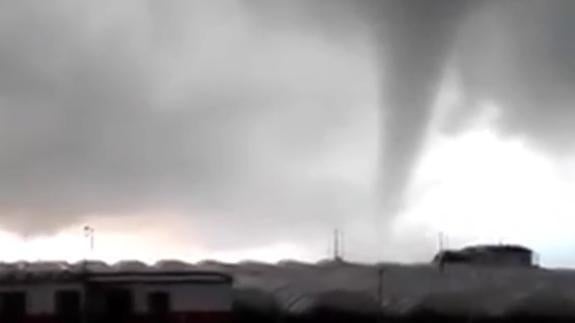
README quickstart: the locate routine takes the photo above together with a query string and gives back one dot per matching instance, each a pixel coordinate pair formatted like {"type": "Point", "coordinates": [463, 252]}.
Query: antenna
{"type": "Point", "coordinates": [336, 250]}
{"type": "Point", "coordinates": [440, 241]}
{"type": "Point", "coordinates": [342, 242]}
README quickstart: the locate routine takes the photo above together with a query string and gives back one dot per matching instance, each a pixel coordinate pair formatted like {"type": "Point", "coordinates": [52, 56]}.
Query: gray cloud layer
{"type": "Point", "coordinates": [119, 107]}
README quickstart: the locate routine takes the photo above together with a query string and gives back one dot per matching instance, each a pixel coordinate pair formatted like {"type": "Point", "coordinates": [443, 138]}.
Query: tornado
{"type": "Point", "coordinates": [413, 40]}
{"type": "Point", "coordinates": [416, 39]}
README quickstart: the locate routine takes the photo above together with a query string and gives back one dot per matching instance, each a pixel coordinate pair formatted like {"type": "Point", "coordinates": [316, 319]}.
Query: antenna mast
{"type": "Point", "coordinates": [440, 241]}
{"type": "Point", "coordinates": [336, 247]}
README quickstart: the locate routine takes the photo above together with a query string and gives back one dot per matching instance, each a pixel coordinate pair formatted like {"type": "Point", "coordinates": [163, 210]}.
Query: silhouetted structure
{"type": "Point", "coordinates": [128, 292]}
{"type": "Point", "coordinates": [497, 255]}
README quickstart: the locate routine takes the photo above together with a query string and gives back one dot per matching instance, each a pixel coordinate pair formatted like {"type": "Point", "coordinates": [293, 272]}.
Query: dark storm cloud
{"type": "Point", "coordinates": [119, 107]}
{"type": "Point", "coordinates": [412, 40]}
{"type": "Point", "coordinates": [519, 54]}
{"type": "Point", "coordinates": [516, 54]}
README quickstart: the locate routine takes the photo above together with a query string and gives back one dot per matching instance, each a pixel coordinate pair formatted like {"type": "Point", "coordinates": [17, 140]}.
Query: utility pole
{"type": "Point", "coordinates": [440, 241]}
{"type": "Point", "coordinates": [380, 293]}
{"type": "Point", "coordinates": [440, 253]}
{"type": "Point", "coordinates": [342, 245]}
{"type": "Point", "coordinates": [89, 233]}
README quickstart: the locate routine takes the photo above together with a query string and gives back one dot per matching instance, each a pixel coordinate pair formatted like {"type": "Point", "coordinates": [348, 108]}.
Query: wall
{"type": "Point", "coordinates": [486, 257]}
{"type": "Point", "coordinates": [40, 297]}
{"type": "Point", "coordinates": [187, 297]}
{"type": "Point", "coordinates": [502, 258]}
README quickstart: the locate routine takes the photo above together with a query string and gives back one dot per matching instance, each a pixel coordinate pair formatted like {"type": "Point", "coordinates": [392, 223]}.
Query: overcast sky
{"type": "Point", "coordinates": [238, 129]}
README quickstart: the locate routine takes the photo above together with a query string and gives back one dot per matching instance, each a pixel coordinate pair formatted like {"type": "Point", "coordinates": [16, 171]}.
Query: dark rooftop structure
{"type": "Point", "coordinates": [495, 255]}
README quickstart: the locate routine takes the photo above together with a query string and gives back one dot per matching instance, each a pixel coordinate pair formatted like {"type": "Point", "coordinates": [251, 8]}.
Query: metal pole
{"type": "Point", "coordinates": [440, 241]}
{"type": "Point", "coordinates": [342, 246]}
{"type": "Point", "coordinates": [92, 242]}
{"type": "Point", "coordinates": [336, 245]}
{"type": "Point", "coordinates": [88, 233]}
{"type": "Point", "coordinates": [380, 293]}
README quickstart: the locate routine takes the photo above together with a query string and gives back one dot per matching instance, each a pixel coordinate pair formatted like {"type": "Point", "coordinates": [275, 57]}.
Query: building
{"type": "Point", "coordinates": [63, 293]}
{"type": "Point", "coordinates": [497, 255]}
